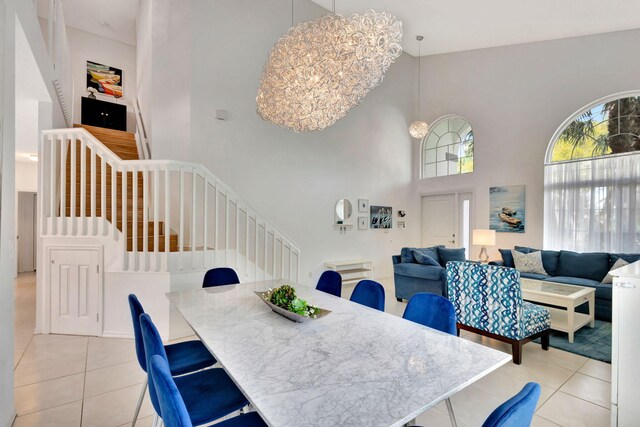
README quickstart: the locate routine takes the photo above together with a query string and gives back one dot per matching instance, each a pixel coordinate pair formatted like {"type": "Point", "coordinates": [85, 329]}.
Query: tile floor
{"type": "Point", "coordinates": [63, 380]}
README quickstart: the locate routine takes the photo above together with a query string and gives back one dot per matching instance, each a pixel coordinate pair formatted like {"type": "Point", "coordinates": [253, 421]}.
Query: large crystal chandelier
{"type": "Point", "coordinates": [320, 69]}
{"type": "Point", "coordinates": [418, 128]}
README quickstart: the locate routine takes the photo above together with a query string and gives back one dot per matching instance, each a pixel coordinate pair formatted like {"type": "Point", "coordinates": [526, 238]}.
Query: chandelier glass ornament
{"type": "Point", "coordinates": [418, 128]}
{"type": "Point", "coordinates": [320, 69]}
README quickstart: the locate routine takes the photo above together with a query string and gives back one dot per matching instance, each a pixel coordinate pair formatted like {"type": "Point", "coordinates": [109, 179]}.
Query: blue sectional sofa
{"type": "Point", "coordinates": [573, 268]}
{"type": "Point", "coordinates": [424, 272]}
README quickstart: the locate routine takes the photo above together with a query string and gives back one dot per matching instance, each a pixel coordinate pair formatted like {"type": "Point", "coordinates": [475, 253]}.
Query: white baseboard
{"type": "Point", "coordinates": [114, 334]}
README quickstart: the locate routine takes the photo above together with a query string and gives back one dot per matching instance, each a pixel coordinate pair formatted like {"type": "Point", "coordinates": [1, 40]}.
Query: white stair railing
{"type": "Point", "coordinates": [154, 215]}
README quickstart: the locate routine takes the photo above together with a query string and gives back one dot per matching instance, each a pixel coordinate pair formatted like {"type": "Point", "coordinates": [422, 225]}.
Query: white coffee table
{"type": "Point", "coordinates": [568, 297]}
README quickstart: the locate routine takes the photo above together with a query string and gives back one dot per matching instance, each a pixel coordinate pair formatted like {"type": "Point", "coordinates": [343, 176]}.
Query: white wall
{"type": "Point", "coordinates": [515, 98]}
{"type": "Point", "coordinates": [7, 213]}
{"type": "Point", "coordinates": [293, 180]}
{"type": "Point", "coordinates": [90, 47]}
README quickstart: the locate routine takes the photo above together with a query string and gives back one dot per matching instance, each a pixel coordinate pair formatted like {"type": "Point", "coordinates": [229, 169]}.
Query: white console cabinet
{"type": "Point", "coordinates": [353, 270]}
{"type": "Point", "coordinates": [625, 374]}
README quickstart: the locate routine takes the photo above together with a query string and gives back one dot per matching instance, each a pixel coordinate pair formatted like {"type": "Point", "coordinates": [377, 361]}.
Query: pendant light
{"type": "Point", "coordinates": [418, 128]}
{"type": "Point", "coordinates": [321, 69]}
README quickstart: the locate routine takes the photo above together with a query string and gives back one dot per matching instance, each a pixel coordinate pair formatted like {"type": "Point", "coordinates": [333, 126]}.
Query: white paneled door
{"type": "Point", "coordinates": [439, 220]}
{"type": "Point", "coordinates": [75, 291]}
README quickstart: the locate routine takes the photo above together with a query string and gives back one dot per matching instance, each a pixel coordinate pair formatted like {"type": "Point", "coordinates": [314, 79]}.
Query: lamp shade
{"type": "Point", "coordinates": [484, 237]}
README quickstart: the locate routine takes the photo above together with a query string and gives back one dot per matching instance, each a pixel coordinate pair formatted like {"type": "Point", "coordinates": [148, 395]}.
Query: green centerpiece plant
{"type": "Point", "coordinates": [285, 297]}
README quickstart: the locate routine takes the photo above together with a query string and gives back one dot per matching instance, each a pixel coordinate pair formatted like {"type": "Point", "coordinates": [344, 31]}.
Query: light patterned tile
{"type": "Point", "coordinates": [554, 356]}
{"type": "Point", "coordinates": [504, 385]}
{"type": "Point", "coordinates": [67, 415]}
{"type": "Point", "coordinates": [113, 377]}
{"type": "Point", "coordinates": [538, 371]}
{"type": "Point", "coordinates": [109, 351]}
{"type": "Point", "coordinates": [46, 361]}
{"type": "Point", "coordinates": [570, 411]}
{"type": "Point", "coordinates": [436, 418]}
{"type": "Point", "coordinates": [48, 394]}
{"type": "Point", "coordinates": [538, 421]}
{"type": "Point", "coordinates": [114, 408]}
{"type": "Point", "coordinates": [589, 388]}
{"type": "Point", "coordinates": [597, 369]}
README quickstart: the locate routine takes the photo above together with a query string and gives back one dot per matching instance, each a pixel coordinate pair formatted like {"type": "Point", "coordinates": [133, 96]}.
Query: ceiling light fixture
{"type": "Point", "coordinates": [320, 69]}
{"type": "Point", "coordinates": [419, 128]}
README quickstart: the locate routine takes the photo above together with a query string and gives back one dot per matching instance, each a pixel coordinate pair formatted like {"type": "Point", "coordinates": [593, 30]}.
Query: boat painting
{"type": "Point", "coordinates": [507, 209]}
{"type": "Point", "coordinates": [106, 80]}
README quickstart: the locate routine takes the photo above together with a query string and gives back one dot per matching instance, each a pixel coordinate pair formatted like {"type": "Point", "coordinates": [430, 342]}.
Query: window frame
{"type": "Point", "coordinates": [423, 143]}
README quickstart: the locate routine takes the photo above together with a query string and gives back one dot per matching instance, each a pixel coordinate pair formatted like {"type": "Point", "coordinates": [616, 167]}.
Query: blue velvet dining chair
{"type": "Point", "coordinates": [517, 411]}
{"type": "Point", "coordinates": [433, 311]}
{"type": "Point", "coordinates": [174, 412]}
{"type": "Point", "coordinates": [184, 357]}
{"type": "Point", "coordinates": [436, 312]}
{"type": "Point", "coordinates": [330, 282]}
{"type": "Point", "coordinates": [207, 395]}
{"type": "Point", "coordinates": [369, 293]}
{"type": "Point", "coordinates": [220, 276]}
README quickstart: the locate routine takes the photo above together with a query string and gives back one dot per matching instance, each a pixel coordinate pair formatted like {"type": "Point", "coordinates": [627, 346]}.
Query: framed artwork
{"type": "Point", "coordinates": [363, 223]}
{"type": "Point", "coordinates": [381, 216]}
{"type": "Point", "coordinates": [106, 80]}
{"type": "Point", "coordinates": [363, 205]}
{"type": "Point", "coordinates": [507, 209]}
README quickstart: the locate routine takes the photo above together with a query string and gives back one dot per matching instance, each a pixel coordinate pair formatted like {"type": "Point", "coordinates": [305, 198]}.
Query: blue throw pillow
{"type": "Point", "coordinates": [594, 265]}
{"type": "Point", "coordinates": [447, 255]}
{"type": "Point", "coordinates": [429, 252]}
{"type": "Point", "coordinates": [406, 255]}
{"type": "Point", "coordinates": [425, 259]}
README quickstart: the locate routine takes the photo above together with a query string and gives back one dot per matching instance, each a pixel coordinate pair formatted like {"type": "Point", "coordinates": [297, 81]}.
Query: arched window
{"type": "Point", "coordinates": [592, 179]}
{"type": "Point", "coordinates": [448, 148]}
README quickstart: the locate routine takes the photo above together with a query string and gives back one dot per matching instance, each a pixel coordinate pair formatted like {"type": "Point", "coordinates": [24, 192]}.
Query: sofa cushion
{"type": "Point", "coordinates": [507, 258]}
{"type": "Point", "coordinates": [592, 265]}
{"type": "Point", "coordinates": [427, 256]}
{"type": "Point", "coordinates": [424, 259]}
{"type": "Point", "coordinates": [627, 257]}
{"type": "Point", "coordinates": [528, 263]}
{"type": "Point", "coordinates": [603, 291]}
{"type": "Point", "coordinates": [406, 255]}
{"type": "Point", "coordinates": [534, 276]}
{"type": "Point", "coordinates": [447, 255]}
{"type": "Point", "coordinates": [550, 260]}
{"type": "Point", "coordinates": [417, 270]}
{"type": "Point", "coordinates": [608, 279]}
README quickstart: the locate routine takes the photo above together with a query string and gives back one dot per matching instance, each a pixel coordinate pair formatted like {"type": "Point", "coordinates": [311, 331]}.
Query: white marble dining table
{"type": "Point", "coordinates": [354, 367]}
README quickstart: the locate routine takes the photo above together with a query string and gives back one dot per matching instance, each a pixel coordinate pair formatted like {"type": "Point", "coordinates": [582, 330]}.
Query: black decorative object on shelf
{"type": "Point", "coordinates": [104, 114]}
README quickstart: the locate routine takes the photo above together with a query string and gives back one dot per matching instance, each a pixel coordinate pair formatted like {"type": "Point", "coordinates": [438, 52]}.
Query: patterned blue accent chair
{"type": "Point", "coordinates": [488, 301]}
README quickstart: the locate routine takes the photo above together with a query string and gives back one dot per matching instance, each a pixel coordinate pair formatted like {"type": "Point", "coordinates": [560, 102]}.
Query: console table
{"type": "Point", "coordinates": [352, 270]}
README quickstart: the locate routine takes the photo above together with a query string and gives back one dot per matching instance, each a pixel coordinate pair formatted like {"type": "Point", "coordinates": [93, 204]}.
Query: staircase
{"type": "Point", "coordinates": [151, 215]}
{"type": "Point", "coordinates": [123, 145]}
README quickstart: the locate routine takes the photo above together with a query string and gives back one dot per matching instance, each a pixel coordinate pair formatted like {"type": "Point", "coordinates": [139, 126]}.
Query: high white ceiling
{"type": "Point", "coordinates": [115, 19]}
{"type": "Point", "coordinates": [457, 25]}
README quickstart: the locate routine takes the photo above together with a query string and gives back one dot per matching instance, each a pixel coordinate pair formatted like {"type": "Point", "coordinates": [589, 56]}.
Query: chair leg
{"type": "Point", "coordinates": [140, 399]}
{"type": "Point", "coordinates": [516, 349]}
{"type": "Point", "coordinates": [452, 416]}
{"type": "Point", "coordinates": [545, 339]}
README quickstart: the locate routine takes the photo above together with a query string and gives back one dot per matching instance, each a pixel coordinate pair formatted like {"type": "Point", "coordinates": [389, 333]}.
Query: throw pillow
{"type": "Point", "coordinates": [425, 259]}
{"type": "Point", "coordinates": [528, 263]}
{"type": "Point", "coordinates": [406, 255]}
{"type": "Point", "coordinates": [421, 253]}
{"type": "Point", "coordinates": [447, 255]}
{"type": "Point", "coordinates": [608, 279]}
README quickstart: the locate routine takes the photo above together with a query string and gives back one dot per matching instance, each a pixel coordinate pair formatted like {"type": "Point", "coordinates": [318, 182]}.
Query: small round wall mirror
{"type": "Point", "coordinates": [343, 211]}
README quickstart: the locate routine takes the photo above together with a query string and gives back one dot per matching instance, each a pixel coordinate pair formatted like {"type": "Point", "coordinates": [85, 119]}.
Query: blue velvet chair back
{"type": "Point", "coordinates": [220, 276]}
{"type": "Point", "coordinates": [369, 293]}
{"type": "Point", "coordinates": [433, 311]}
{"type": "Point", "coordinates": [152, 346]}
{"type": "Point", "coordinates": [517, 411]}
{"type": "Point", "coordinates": [173, 410]}
{"type": "Point", "coordinates": [136, 310]}
{"type": "Point", "coordinates": [330, 282]}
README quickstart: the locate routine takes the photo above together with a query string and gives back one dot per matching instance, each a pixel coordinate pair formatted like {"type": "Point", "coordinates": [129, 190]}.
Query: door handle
{"type": "Point", "coordinates": [626, 285]}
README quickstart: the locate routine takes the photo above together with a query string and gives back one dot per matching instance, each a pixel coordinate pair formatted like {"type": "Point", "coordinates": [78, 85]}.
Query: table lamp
{"type": "Point", "coordinates": [484, 238]}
